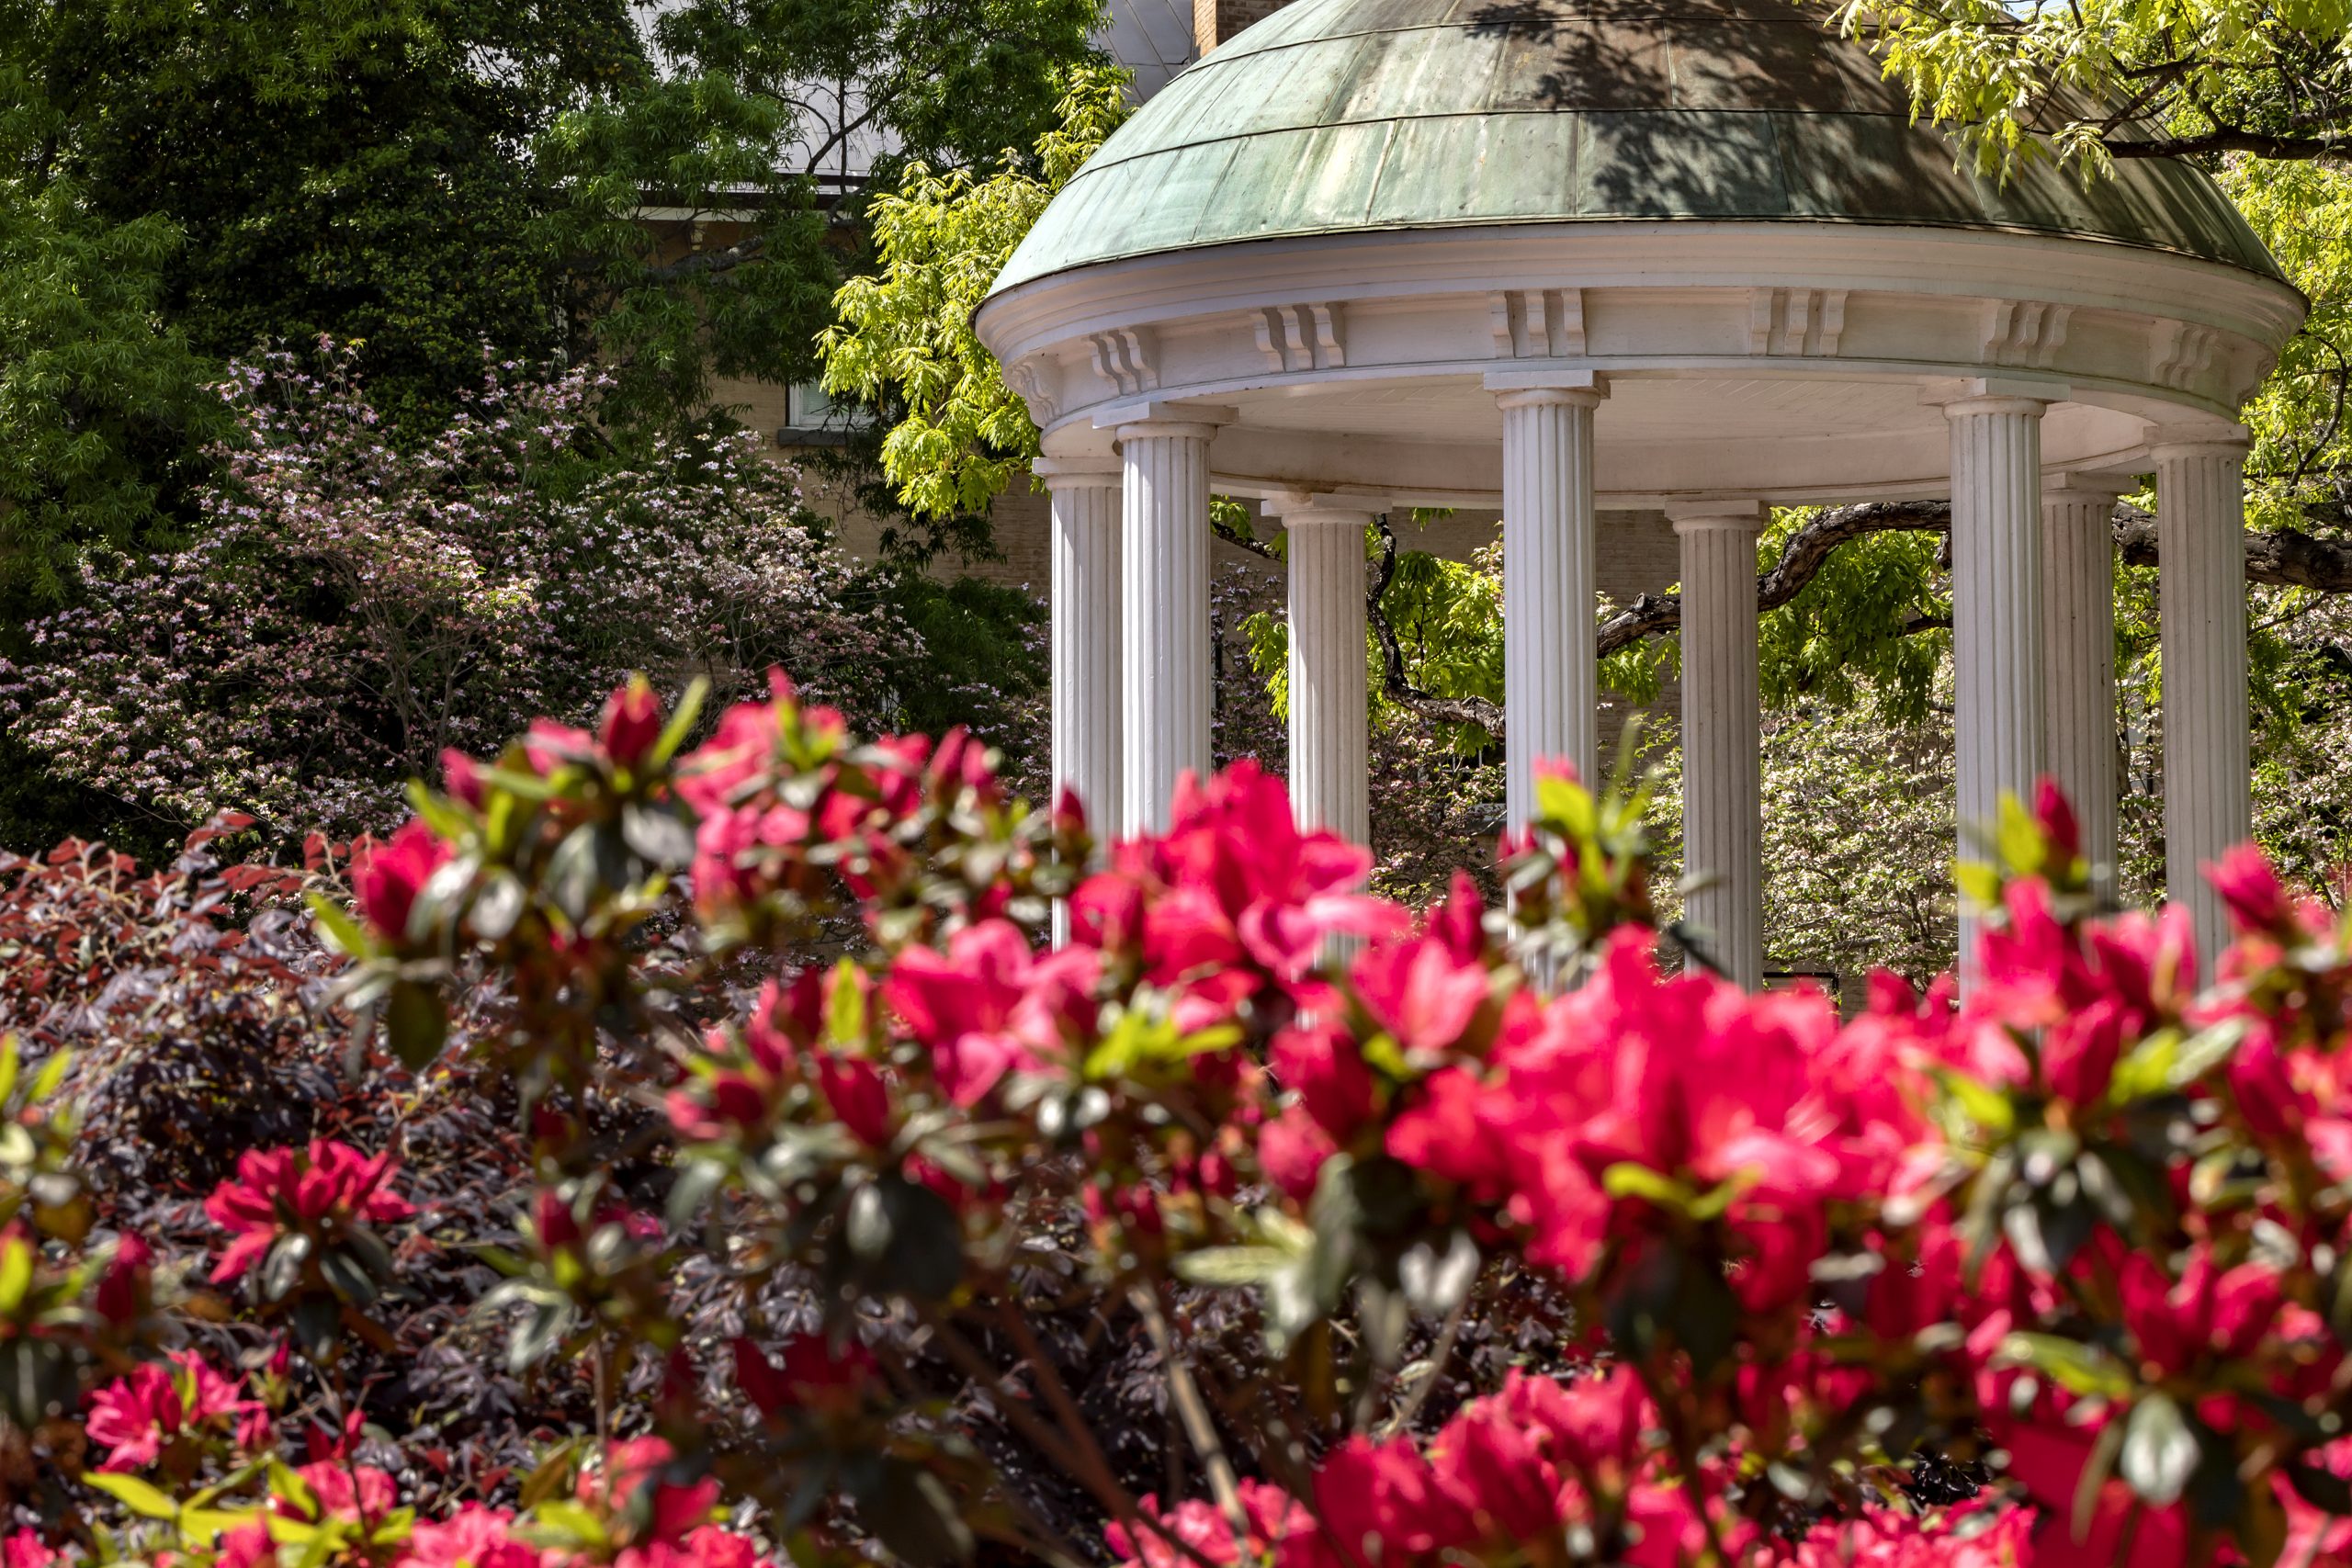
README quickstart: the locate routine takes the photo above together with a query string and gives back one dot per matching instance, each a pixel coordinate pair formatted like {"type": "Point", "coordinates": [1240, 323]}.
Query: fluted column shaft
{"type": "Point", "coordinates": [1331, 777]}
{"type": "Point", "coordinates": [1550, 674]}
{"type": "Point", "coordinates": [2200, 551]}
{"type": "Point", "coordinates": [1997, 613]}
{"type": "Point", "coordinates": [2078, 657]}
{"type": "Point", "coordinates": [1086, 590]}
{"type": "Point", "coordinates": [1722, 810]}
{"type": "Point", "coordinates": [1164, 609]}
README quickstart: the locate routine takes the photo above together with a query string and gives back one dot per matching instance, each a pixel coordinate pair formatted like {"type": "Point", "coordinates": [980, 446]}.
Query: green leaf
{"type": "Point", "coordinates": [1983, 1104]}
{"type": "Point", "coordinates": [1980, 885]}
{"type": "Point", "coordinates": [1436, 1282]}
{"type": "Point", "coordinates": [2205, 1050]}
{"type": "Point", "coordinates": [542, 1328]}
{"type": "Point", "coordinates": [52, 1073]}
{"type": "Point", "coordinates": [498, 903]}
{"type": "Point", "coordinates": [281, 1271]}
{"type": "Point", "coordinates": [15, 1274]}
{"type": "Point", "coordinates": [576, 1522]}
{"type": "Point", "coordinates": [1231, 1265]}
{"type": "Point", "coordinates": [1567, 807]}
{"type": "Point", "coordinates": [2146, 1070]}
{"type": "Point", "coordinates": [2079, 1367]}
{"type": "Point", "coordinates": [553, 1473]}
{"type": "Point", "coordinates": [141, 1497]}
{"type": "Point", "coordinates": [1627, 1179]}
{"type": "Point", "coordinates": [2160, 1451]}
{"type": "Point", "coordinates": [338, 928]}
{"type": "Point", "coordinates": [682, 722]}
{"type": "Point", "coordinates": [416, 1023]}
{"type": "Point", "coordinates": [660, 833]}
{"type": "Point", "coordinates": [346, 1278]}
{"type": "Point", "coordinates": [449, 822]}
{"type": "Point", "coordinates": [845, 1009]}
{"type": "Point", "coordinates": [2019, 840]}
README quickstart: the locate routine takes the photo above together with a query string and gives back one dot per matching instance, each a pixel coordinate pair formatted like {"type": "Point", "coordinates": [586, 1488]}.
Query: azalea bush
{"type": "Point", "coordinates": [643, 1219]}
{"type": "Point", "coordinates": [351, 606]}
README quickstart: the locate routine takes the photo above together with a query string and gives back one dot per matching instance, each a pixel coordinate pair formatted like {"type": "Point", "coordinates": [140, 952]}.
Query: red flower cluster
{"type": "Point", "coordinates": [2093, 1215]}
{"type": "Point", "coordinates": [1233, 898]}
{"type": "Point", "coordinates": [317, 1191]}
{"type": "Point", "coordinates": [135, 1418]}
{"type": "Point", "coordinates": [387, 877]}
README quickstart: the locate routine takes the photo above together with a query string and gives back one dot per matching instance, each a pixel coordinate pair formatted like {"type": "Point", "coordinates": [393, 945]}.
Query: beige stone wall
{"type": "Point", "coordinates": [1213, 21]}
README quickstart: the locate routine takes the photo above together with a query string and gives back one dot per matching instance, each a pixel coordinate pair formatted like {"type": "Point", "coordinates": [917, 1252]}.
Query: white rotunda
{"type": "Point", "coordinates": [1564, 255]}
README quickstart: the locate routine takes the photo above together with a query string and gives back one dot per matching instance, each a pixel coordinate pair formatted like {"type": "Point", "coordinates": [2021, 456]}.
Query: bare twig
{"type": "Point", "coordinates": [1198, 1426]}
{"type": "Point", "coordinates": [1077, 1453]}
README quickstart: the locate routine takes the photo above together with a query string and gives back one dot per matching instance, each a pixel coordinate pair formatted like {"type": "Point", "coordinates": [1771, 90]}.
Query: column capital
{"type": "Point", "coordinates": [1739, 516]}
{"type": "Point", "coordinates": [1297, 507]}
{"type": "Point", "coordinates": [1961, 395]}
{"type": "Point", "coordinates": [2086, 487]}
{"type": "Point", "coordinates": [1521, 389]}
{"type": "Point", "coordinates": [1172, 417]}
{"type": "Point", "coordinates": [2198, 441]}
{"type": "Point", "coordinates": [1077, 473]}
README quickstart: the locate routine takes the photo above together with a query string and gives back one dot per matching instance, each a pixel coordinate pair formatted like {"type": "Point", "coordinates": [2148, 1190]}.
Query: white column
{"type": "Point", "coordinates": [1085, 589]}
{"type": "Point", "coordinates": [2200, 577]}
{"type": "Point", "coordinates": [1997, 613]}
{"type": "Point", "coordinates": [2078, 655]}
{"type": "Point", "coordinates": [1550, 669]}
{"type": "Point", "coordinates": [1085, 545]}
{"type": "Point", "coordinates": [1164, 609]}
{"type": "Point", "coordinates": [1330, 773]}
{"type": "Point", "coordinates": [1722, 811]}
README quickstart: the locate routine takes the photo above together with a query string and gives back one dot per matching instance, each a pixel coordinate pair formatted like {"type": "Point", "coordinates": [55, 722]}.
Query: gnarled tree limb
{"type": "Point", "coordinates": [2283, 558]}
{"type": "Point", "coordinates": [1392, 682]}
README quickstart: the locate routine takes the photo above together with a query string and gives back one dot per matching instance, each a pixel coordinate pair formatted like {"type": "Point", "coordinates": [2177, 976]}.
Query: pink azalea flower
{"type": "Point", "coordinates": [968, 1006]}
{"type": "Point", "coordinates": [634, 1469]}
{"type": "Point", "coordinates": [473, 1537]}
{"type": "Point", "coordinates": [25, 1549]}
{"type": "Point", "coordinates": [1421, 991]}
{"type": "Point", "coordinates": [631, 723]}
{"type": "Point", "coordinates": [134, 1417]}
{"type": "Point", "coordinates": [387, 877]}
{"type": "Point", "coordinates": [1291, 1151]}
{"type": "Point", "coordinates": [813, 1373]}
{"type": "Point", "coordinates": [328, 1185]}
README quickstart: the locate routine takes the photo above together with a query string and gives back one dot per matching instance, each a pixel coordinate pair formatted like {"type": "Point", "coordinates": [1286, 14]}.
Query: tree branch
{"type": "Point", "coordinates": [1393, 681]}
{"type": "Point", "coordinates": [703, 262]}
{"type": "Point", "coordinates": [2262, 145]}
{"type": "Point", "coordinates": [2279, 558]}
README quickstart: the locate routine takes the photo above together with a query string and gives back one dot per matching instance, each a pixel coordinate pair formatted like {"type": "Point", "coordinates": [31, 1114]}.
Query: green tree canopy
{"type": "Point", "coordinates": [430, 179]}
{"type": "Point", "coordinates": [903, 337]}
{"type": "Point", "coordinates": [2095, 80]}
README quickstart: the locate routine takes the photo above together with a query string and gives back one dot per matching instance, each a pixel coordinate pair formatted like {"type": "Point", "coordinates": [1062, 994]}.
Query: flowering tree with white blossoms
{"type": "Point", "coordinates": [351, 608]}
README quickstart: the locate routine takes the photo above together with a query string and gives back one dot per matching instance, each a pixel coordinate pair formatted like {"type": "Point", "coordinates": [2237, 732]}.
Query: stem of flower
{"type": "Point", "coordinates": [1198, 1425]}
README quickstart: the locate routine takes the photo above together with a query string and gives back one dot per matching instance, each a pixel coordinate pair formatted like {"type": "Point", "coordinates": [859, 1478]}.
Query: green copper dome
{"type": "Point", "coordinates": [1343, 116]}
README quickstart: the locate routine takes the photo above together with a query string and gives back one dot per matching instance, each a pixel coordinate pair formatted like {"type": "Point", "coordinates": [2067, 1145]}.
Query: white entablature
{"type": "Point", "coordinates": [1359, 362]}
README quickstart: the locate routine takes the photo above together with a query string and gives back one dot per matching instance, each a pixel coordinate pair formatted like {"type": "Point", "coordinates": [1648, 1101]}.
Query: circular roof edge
{"type": "Point", "coordinates": [1370, 115]}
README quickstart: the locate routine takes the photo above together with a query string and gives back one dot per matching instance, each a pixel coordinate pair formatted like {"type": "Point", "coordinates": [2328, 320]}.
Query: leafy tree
{"type": "Point", "coordinates": [423, 178]}
{"type": "Point", "coordinates": [904, 340]}
{"type": "Point", "coordinates": [97, 407]}
{"type": "Point", "coordinates": [2097, 80]}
